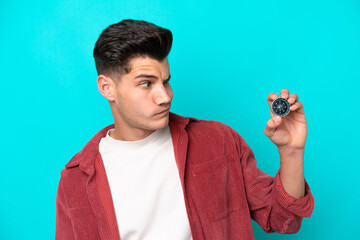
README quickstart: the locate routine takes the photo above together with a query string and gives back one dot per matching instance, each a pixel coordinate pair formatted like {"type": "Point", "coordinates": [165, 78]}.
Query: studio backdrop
{"type": "Point", "coordinates": [227, 56]}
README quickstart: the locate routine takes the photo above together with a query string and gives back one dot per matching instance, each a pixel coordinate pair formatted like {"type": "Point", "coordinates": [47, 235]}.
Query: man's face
{"type": "Point", "coordinates": [143, 96]}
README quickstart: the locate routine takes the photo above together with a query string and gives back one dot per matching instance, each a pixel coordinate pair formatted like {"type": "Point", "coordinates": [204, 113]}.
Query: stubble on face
{"type": "Point", "coordinates": [143, 98]}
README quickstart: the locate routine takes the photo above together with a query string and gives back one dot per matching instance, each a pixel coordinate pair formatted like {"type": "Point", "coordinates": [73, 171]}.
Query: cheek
{"type": "Point", "coordinates": [128, 96]}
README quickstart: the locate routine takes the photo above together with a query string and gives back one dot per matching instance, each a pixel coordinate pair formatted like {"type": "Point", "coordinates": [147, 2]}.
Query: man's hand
{"type": "Point", "coordinates": [287, 133]}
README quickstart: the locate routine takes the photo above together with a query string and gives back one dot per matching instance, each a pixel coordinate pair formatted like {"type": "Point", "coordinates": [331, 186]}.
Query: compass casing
{"type": "Point", "coordinates": [280, 107]}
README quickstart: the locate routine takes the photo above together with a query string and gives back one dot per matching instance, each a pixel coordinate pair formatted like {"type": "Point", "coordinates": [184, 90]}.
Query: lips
{"type": "Point", "coordinates": [163, 112]}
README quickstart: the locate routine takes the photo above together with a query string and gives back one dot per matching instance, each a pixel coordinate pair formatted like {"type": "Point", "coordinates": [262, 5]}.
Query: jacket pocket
{"type": "Point", "coordinates": [219, 186]}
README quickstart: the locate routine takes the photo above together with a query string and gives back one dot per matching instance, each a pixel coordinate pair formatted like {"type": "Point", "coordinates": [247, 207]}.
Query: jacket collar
{"type": "Point", "coordinates": [85, 159]}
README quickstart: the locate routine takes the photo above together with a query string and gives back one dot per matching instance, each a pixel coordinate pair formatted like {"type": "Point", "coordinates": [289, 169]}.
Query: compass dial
{"type": "Point", "coordinates": [280, 107]}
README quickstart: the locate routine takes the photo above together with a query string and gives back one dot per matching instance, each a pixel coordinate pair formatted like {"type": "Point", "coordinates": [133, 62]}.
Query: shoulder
{"type": "Point", "coordinates": [84, 160]}
{"type": "Point", "coordinates": [86, 157]}
{"type": "Point", "coordinates": [211, 135]}
{"type": "Point", "coordinates": [211, 128]}
{"type": "Point", "coordinates": [209, 139]}
{"type": "Point", "coordinates": [196, 125]}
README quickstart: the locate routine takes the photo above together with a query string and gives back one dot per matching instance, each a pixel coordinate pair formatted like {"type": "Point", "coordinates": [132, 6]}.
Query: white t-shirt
{"type": "Point", "coordinates": [145, 187]}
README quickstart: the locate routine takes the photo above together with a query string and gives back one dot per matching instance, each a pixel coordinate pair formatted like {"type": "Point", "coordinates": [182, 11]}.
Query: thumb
{"type": "Point", "coordinates": [271, 126]}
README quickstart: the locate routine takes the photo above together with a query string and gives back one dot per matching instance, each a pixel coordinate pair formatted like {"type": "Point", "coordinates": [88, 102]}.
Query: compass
{"type": "Point", "coordinates": [280, 107]}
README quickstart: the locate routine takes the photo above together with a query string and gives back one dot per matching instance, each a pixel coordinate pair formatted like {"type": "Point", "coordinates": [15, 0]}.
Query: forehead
{"type": "Point", "coordinates": [141, 64]}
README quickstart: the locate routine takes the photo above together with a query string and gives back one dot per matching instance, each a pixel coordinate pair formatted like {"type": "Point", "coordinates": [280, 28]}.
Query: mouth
{"type": "Point", "coordinates": [164, 112]}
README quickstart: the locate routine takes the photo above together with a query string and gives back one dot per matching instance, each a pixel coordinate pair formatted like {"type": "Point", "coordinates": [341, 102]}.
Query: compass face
{"type": "Point", "coordinates": [280, 107]}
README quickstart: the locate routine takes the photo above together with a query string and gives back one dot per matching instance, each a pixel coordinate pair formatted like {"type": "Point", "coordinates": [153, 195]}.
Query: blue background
{"type": "Point", "coordinates": [227, 57]}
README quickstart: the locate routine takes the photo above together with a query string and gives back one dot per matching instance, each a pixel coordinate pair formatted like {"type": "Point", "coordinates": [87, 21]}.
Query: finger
{"type": "Point", "coordinates": [284, 93]}
{"type": "Point", "coordinates": [293, 98]}
{"type": "Point", "coordinates": [271, 126]}
{"type": "Point", "coordinates": [271, 97]}
{"type": "Point", "coordinates": [298, 106]}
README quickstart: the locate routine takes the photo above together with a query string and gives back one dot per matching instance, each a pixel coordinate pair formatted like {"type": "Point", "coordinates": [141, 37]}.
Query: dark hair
{"type": "Point", "coordinates": [121, 42]}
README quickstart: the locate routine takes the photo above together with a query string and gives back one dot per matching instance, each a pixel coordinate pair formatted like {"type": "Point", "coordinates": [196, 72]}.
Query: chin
{"type": "Point", "coordinates": [160, 123]}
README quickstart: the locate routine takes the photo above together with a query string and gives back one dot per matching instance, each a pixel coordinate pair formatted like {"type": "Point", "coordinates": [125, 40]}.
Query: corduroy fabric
{"type": "Point", "coordinates": [223, 188]}
{"type": "Point", "coordinates": [106, 198]}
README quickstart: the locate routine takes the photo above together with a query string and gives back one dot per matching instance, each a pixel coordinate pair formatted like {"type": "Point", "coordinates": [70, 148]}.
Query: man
{"type": "Point", "coordinates": [157, 175]}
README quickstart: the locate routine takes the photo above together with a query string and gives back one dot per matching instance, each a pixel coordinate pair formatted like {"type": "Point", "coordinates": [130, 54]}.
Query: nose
{"type": "Point", "coordinates": [162, 96]}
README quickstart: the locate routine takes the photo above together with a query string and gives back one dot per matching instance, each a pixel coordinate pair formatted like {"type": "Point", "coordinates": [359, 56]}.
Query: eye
{"type": "Point", "coordinates": [166, 82]}
{"type": "Point", "coordinates": [145, 84]}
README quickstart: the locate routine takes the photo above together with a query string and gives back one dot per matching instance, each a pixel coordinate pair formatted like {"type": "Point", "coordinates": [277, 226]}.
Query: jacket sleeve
{"type": "Point", "coordinates": [63, 229]}
{"type": "Point", "coordinates": [270, 206]}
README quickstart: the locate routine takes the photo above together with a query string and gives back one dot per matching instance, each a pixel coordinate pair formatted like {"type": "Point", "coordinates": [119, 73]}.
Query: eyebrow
{"type": "Point", "coordinates": [150, 76]}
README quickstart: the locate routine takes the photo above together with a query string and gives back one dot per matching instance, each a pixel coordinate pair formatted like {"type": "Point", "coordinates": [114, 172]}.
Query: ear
{"type": "Point", "coordinates": [107, 87]}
